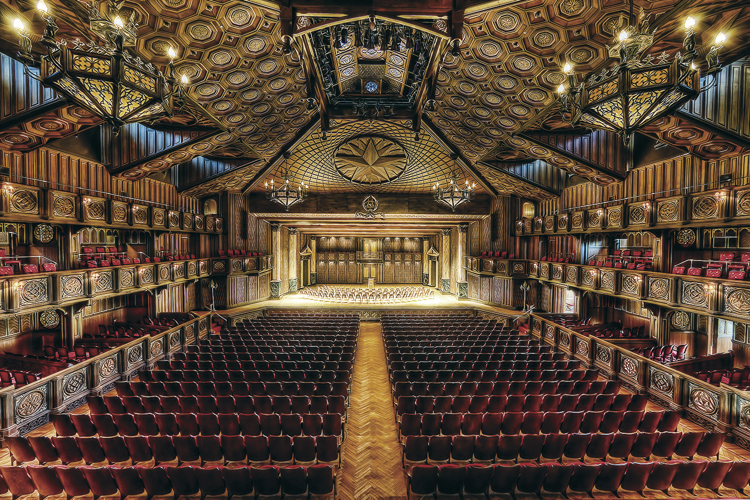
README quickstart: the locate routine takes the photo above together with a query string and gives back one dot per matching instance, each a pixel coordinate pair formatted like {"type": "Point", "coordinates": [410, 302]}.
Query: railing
{"type": "Point", "coordinates": [716, 408]}
{"type": "Point", "coordinates": [698, 294]}
{"type": "Point", "coordinates": [23, 409]}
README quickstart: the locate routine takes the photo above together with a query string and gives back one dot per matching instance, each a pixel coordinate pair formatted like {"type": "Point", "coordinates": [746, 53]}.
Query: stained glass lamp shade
{"type": "Point", "coordinates": [109, 83]}
{"type": "Point", "coordinates": [633, 97]}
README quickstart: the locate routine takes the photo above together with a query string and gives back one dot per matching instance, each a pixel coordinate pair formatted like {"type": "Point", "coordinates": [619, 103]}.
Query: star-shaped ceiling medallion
{"type": "Point", "coordinates": [370, 160]}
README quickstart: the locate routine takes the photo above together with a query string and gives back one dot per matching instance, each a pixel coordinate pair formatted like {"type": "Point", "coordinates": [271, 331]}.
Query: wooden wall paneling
{"type": "Point", "coordinates": [284, 260]}
{"type": "Point", "coordinates": [20, 94]}
{"type": "Point", "coordinates": [136, 142]}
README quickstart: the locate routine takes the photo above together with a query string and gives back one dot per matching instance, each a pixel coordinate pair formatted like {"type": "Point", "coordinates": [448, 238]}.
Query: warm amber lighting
{"type": "Point", "coordinates": [689, 22]}
{"type": "Point", "coordinates": [18, 24]}
{"type": "Point", "coordinates": [567, 68]}
{"type": "Point", "coordinates": [118, 22]}
{"type": "Point", "coordinates": [721, 38]}
{"type": "Point", "coordinates": [41, 7]}
{"type": "Point", "coordinates": [623, 35]}
{"type": "Point", "coordinates": [171, 53]}
{"type": "Point", "coordinates": [561, 88]}
{"type": "Point", "coordinates": [184, 79]}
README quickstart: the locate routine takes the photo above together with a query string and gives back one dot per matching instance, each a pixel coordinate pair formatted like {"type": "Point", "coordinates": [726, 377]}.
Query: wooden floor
{"type": "Point", "coordinates": [371, 454]}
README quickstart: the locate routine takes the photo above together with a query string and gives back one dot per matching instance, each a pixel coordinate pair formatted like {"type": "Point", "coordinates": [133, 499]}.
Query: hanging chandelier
{"type": "Point", "coordinates": [639, 89]}
{"type": "Point", "coordinates": [454, 194]}
{"type": "Point", "coordinates": [105, 79]}
{"type": "Point", "coordinates": [285, 195]}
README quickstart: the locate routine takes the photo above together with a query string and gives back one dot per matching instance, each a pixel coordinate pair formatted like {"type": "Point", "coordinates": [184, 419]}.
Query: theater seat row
{"type": "Point", "coordinates": [488, 449]}
{"type": "Point", "coordinates": [451, 424]}
{"type": "Point", "coordinates": [268, 376]}
{"type": "Point", "coordinates": [169, 482]}
{"type": "Point", "coordinates": [206, 388]}
{"type": "Point", "coordinates": [479, 480]}
{"type": "Point", "coordinates": [428, 376]}
{"type": "Point", "coordinates": [522, 403]}
{"type": "Point", "coordinates": [204, 424]}
{"type": "Point", "coordinates": [217, 404]}
{"type": "Point", "coordinates": [504, 388]}
{"type": "Point", "coordinates": [157, 450]}
{"type": "Point", "coordinates": [248, 365]}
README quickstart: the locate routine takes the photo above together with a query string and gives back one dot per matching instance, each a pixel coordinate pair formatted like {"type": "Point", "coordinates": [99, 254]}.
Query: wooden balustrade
{"type": "Point", "coordinates": [717, 408]}
{"type": "Point", "coordinates": [23, 409]}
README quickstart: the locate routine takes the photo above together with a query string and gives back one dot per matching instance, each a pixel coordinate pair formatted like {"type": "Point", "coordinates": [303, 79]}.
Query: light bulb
{"type": "Point", "coordinates": [118, 22]}
{"type": "Point", "coordinates": [171, 53]}
{"type": "Point", "coordinates": [184, 79]}
{"type": "Point", "coordinates": [567, 68]}
{"type": "Point", "coordinates": [18, 24]}
{"type": "Point", "coordinates": [689, 22]}
{"type": "Point", "coordinates": [692, 66]}
{"type": "Point", "coordinates": [561, 88]}
{"type": "Point", "coordinates": [42, 7]}
{"type": "Point", "coordinates": [623, 35]}
{"type": "Point", "coordinates": [721, 38]}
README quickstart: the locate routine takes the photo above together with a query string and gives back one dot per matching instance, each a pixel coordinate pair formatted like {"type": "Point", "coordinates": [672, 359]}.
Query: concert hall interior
{"type": "Point", "coordinates": [374, 249]}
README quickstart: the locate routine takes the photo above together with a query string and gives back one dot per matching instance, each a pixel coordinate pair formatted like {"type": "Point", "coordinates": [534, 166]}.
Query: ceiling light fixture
{"type": "Point", "coordinates": [454, 194]}
{"type": "Point", "coordinates": [285, 195]}
{"type": "Point", "coordinates": [639, 89]}
{"type": "Point", "coordinates": [105, 79]}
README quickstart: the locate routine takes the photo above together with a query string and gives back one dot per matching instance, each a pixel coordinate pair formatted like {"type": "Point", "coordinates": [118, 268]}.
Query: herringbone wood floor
{"type": "Point", "coordinates": [371, 454]}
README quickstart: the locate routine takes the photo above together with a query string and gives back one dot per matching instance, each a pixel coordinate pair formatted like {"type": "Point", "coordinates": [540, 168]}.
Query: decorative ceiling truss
{"type": "Point", "coordinates": [370, 67]}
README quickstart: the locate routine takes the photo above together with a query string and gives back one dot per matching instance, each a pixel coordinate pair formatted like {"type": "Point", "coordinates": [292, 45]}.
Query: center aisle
{"type": "Point", "coordinates": [371, 453]}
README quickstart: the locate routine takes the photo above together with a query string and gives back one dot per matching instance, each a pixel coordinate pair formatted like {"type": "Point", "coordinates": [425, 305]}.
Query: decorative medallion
{"type": "Point", "coordinates": [607, 280]}
{"type": "Point", "coordinates": [147, 275]}
{"type": "Point", "coordinates": [603, 354]}
{"type": "Point", "coordinates": [158, 217]}
{"type": "Point", "coordinates": [49, 319]}
{"type": "Point", "coordinates": [668, 211]}
{"type": "Point", "coordinates": [694, 294]}
{"type": "Point", "coordinates": [44, 233]}
{"type": "Point", "coordinates": [703, 400]}
{"type": "Point", "coordinates": [73, 383]}
{"type": "Point", "coordinates": [63, 206]}
{"type": "Point", "coordinates": [686, 237]}
{"type": "Point", "coordinates": [104, 282]}
{"type": "Point", "coordinates": [370, 206]}
{"type": "Point", "coordinates": [34, 291]}
{"type": "Point", "coordinates": [164, 273]}
{"type": "Point", "coordinates": [189, 332]}
{"type": "Point", "coordinates": [658, 288]}
{"type": "Point", "coordinates": [582, 347]}
{"type": "Point", "coordinates": [24, 201]}
{"type": "Point", "coordinates": [737, 300]}
{"type": "Point", "coordinates": [127, 277]}
{"type": "Point", "coordinates": [705, 207]}
{"type": "Point", "coordinates": [140, 214]}
{"type": "Point", "coordinates": [629, 367]}
{"type": "Point", "coordinates": [662, 381]}
{"type": "Point", "coordinates": [564, 339]}
{"type": "Point", "coordinates": [157, 348]}
{"type": "Point", "coordinates": [135, 354]}
{"type": "Point", "coordinates": [108, 367]}
{"type": "Point", "coordinates": [31, 403]}
{"type": "Point", "coordinates": [72, 286]}
{"type": "Point", "coordinates": [174, 339]}
{"type": "Point", "coordinates": [370, 160]}
{"type": "Point", "coordinates": [119, 213]}
{"type": "Point", "coordinates": [630, 284]}
{"type": "Point", "coordinates": [549, 332]}
{"type": "Point", "coordinates": [95, 210]}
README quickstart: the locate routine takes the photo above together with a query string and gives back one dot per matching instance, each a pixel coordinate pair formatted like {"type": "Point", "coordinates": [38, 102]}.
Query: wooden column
{"type": "Point", "coordinates": [445, 263]}
{"type": "Point", "coordinates": [425, 261]}
{"type": "Point", "coordinates": [313, 260]}
{"type": "Point", "coordinates": [462, 286]}
{"type": "Point", "coordinates": [293, 260]}
{"type": "Point", "coordinates": [276, 248]}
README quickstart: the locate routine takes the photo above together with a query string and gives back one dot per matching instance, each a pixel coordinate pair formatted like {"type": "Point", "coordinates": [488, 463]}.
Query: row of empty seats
{"type": "Point", "coordinates": [482, 481]}
{"type": "Point", "coordinates": [536, 422]}
{"type": "Point", "coordinates": [153, 451]}
{"type": "Point", "coordinates": [488, 449]}
{"type": "Point", "coordinates": [267, 481]}
{"type": "Point", "coordinates": [207, 388]}
{"type": "Point", "coordinates": [504, 388]}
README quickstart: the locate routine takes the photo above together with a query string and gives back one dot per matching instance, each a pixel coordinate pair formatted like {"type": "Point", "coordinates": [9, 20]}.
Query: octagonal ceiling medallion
{"type": "Point", "coordinates": [370, 160]}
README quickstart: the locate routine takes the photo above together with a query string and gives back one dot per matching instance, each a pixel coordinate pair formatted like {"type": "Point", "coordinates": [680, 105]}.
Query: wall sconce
{"type": "Point", "coordinates": [710, 288]}
{"type": "Point", "coordinates": [600, 212]}
{"type": "Point", "coordinates": [721, 196]}
{"type": "Point", "coordinates": [7, 189]}
{"type": "Point", "coordinates": [86, 201]}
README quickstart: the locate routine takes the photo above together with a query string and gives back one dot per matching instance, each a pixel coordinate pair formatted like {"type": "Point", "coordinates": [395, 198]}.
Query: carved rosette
{"type": "Point", "coordinates": [30, 403]}
{"type": "Point", "coordinates": [603, 354]}
{"type": "Point", "coordinates": [564, 338]}
{"type": "Point", "coordinates": [631, 285]}
{"type": "Point", "coordinates": [219, 266]}
{"type": "Point", "coordinates": [487, 265]}
{"type": "Point", "coordinates": [680, 320]}
{"type": "Point", "coordinates": [135, 354]}
{"type": "Point", "coordinates": [694, 294]}
{"type": "Point", "coordinates": [629, 367]}
{"type": "Point", "coordinates": [95, 210]}
{"type": "Point", "coordinates": [668, 210]}
{"type": "Point", "coordinates": [589, 278]}
{"type": "Point", "coordinates": [502, 267]}
{"type": "Point", "coordinates": [140, 215]}
{"type": "Point", "coordinates": [661, 381]}
{"type": "Point", "coordinates": [638, 214]}
{"type": "Point", "coordinates": [576, 221]}
{"type": "Point", "coordinates": [737, 300]}
{"type": "Point", "coordinates": [519, 268]}
{"type": "Point", "coordinates": [192, 269]}
{"type": "Point", "coordinates": [146, 275]}
{"type": "Point", "coordinates": [607, 281]}
{"type": "Point", "coordinates": [703, 400]}
{"type": "Point", "coordinates": [571, 275]}
{"type": "Point", "coordinates": [49, 319]}
{"type": "Point", "coordinates": [104, 281]}
{"type": "Point", "coordinates": [614, 217]}
{"type": "Point", "coordinates": [174, 339]}
{"type": "Point", "coordinates": [742, 203]}
{"type": "Point", "coordinates": [203, 267]}
{"type": "Point", "coordinates": [159, 217]}
{"type": "Point", "coordinates": [549, 332]}
{"type": "Point", "coordinates": [174, 219]}
{"type": "Point", "coordinates": [164, 273]}
{"type": "Point", "coordinates": [119, 212]}
{"type": "Point", "coordinates": [157, 348]}
{"type": "Point", "coordinates": [549, 223]}
{"type": "Point", "coordinates": [63, 206]}
{"type": "Point", "coordinates": [199, 223]}
{"type": "Point", "coordinates": [658, 288]}
{"type": "Point", "coordinates": [545, 271]}
{"type": "Point", "coordinates": [108, 367]}
{"type": "Point", "coordinates": [187, 221]}
{"type": "Point", "coordinates": [24, 201]}
{"type": "Point", "coordinates": [705, 207]}
{"type": "Point", "coordinates": [594, 219]}
{"type": "Point", "coordinates": [179, 271]}
{"type": "Point", "coordinates": [536, 326]}
{"type": "Point", "coordinates": [743, 410]}
{"type": "Point", "coordinates": [582, 347]}
{"type": "Point", "coordinates": [557, 272]}
{"type": "Point", "coordinates": [127, 277]}
{"type": "Point", "coordinates": [189, 332]}
{"type": "Point", "coordinates": [33, 291]}
{"type": "Point", "coordinates": [73, 383]}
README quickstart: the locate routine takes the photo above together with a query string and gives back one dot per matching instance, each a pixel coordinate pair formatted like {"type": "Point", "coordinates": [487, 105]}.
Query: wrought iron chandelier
{"type": "Point", "coordinates": [454, 195]}
{"type": "Point", "coordinates": [639, 89]}
{"type": "Point", "coordinates": [285, 194]}
{"type": "Point", "coordinates": [105, 79]}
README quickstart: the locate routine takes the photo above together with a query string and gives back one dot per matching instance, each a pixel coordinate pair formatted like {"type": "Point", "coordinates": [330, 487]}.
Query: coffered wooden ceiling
{"type": "Point", "coordinates": [495, 98]}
